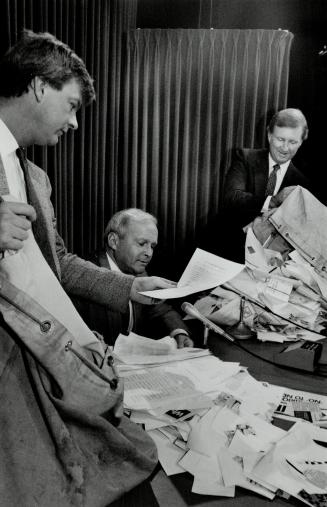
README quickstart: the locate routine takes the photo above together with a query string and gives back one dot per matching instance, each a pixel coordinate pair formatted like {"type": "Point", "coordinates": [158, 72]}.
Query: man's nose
{"type": "Point", "coordinates": [148, 251]}
{"type": "Point", "coordinates": [73, 124]}
{"type": "Point", "coordinates": [285, 145]}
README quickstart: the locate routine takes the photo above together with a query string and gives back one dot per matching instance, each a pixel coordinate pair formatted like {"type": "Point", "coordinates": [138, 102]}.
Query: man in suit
{"type": "Point", "coordinates": [260, 179]}
{"type": "Point", "coordinates": [130, 238]}
{"type": "Point", "coordinates": [246, 190]}
{"type": "Point", "coordinates": [50, 447]}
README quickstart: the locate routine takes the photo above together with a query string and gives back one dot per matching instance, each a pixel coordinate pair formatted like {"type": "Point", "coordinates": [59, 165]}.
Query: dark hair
{"type": "Point", "coordinates": [42, 55]}
{"type": "Point", "coordinates": [291, 118]}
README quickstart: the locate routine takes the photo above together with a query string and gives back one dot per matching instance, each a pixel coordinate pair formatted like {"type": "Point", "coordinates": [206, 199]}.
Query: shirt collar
{"type": "Point", "coordinates": [282, 166]}
{"type": "Point", "coordinates": [112, 264]}
{"type": "Point", "coordinates": [8, 143]}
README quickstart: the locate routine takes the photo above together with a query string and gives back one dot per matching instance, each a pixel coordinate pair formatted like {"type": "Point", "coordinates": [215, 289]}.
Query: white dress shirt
{"type": "Point", "coordinates": [279, 179]}
{"type": "Point", "coordinates": [13, 170]}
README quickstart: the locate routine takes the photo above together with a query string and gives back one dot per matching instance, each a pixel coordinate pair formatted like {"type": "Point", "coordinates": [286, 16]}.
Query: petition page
{"type": "Point", "coordinates": [204, 271]}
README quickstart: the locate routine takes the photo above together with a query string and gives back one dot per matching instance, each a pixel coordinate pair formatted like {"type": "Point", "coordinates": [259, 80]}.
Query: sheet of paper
{"type": "Point", "coordinates": [297, 445]}
{"type": "Point", "coordinates": [204, 271]}
{"type": "Point", "coordinates": [272, 336]}
{"type": "Point", "coordinates": [139, 350]}
{"type": "Point", "coordinates": [206, 472]}
{"type": "Point", "coordinates": [168, 453]}
{"type": "Point", "coordinates": [315, 471]}
{"type": "Point", "coordinates": [201, 466]}
{"type": "Point", "coordinates": [258, 257]}
{"type": "Point", "coordinates": [258, 398]}
{"type": "Point", "coordinates": [211, 488]}
{"type": "Point", "coordinates": [234, 474]}
{"type": "Point", "coordinates": [277, 288]}
{"type": "Point", "coordinates": [172, 385]}
{"type": "Point", "coordinates": [300, 405]}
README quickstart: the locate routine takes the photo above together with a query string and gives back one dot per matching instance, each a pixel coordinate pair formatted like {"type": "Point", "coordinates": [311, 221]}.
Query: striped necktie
{"type": "Point", "coordinates": [21, 155]}
{"type": "Point", "coordinates": [271, 184]}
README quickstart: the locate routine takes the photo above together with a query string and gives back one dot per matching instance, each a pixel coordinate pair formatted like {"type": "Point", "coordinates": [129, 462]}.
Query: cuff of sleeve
{"type": "Point", "coordinates": [178, 331]}
{"type": "Point", "coordinates": [266, 204]}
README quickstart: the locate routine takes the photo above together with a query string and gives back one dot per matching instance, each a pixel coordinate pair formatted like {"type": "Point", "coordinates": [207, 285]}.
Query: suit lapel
{"type": "Point", "coordinates": [261, 172]}
{"type": "Point", "coordinates": [43, 228]}
{"type": "Point", "coordinates": [288, 179]}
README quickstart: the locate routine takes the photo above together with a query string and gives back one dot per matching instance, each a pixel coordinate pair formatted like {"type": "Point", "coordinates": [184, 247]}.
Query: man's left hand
{"type": "Point", "coordinates": [183, 340]}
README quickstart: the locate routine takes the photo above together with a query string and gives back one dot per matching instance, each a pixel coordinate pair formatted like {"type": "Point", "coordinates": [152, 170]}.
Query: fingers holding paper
{"type": "Point", "coordinates": [183, 340]}
{"type": "Point", "coordinates": [149, 283]}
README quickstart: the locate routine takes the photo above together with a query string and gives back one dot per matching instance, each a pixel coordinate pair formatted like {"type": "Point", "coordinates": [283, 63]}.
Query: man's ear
{"type": "Point", "coordinates": [112, 240]}
{"type": "Point", "coordinates": [38, 87]}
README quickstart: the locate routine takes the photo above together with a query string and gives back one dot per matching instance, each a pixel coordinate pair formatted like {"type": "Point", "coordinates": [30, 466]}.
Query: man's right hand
{"type": "Point", "coordinates": [15, 221]}
{"type": "Point", "coordinates": [277, 199]}
{"type": "Point", "coordinates": [144, 283]}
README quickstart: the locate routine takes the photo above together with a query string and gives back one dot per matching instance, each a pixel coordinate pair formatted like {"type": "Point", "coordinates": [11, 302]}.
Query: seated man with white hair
{"type": "Point", "coordinates": [130, 238]}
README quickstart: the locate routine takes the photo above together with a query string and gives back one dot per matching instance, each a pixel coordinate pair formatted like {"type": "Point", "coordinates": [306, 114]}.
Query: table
{"type": "Point", "coordinates": [175, 491]}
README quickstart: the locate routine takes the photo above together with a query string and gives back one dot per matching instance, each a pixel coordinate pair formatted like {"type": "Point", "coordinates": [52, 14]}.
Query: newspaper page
{"type": "Point", "coordinates": [295, 405]}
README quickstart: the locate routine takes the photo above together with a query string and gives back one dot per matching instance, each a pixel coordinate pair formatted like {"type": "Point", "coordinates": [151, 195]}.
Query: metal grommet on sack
{"type": "Point", "coordinates": [45, 326]}
{"type": "Point", "coordinates": [68, 345]}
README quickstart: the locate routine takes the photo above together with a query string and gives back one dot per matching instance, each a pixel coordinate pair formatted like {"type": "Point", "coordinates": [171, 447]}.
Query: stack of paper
{"type": "Point", "coordinates": [296, 464]}
{"type": "Point", "coordinates": [213, 420]}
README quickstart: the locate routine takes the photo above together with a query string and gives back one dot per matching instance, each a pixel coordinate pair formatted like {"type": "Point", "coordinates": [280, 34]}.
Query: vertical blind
{"type": "Point", "coordinates": [83, 166]}
{"type": "Point", "coordinates": [190, 96]}
{"type": "Point", "coordinates": [170, 106]}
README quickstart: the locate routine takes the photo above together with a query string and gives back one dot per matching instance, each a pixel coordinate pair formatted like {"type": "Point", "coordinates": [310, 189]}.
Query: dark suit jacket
{"type": "Point", "coordinates": [246, 182]}
{"type": "Point", "coordinates": [153, 321]}
{"type": "Point", "coordinates": [243, 198]}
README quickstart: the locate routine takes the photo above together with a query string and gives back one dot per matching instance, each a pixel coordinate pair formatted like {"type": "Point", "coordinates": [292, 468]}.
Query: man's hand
{"type": "Point", "coordinates": [277, 199]}
{"type": "Point", "coordinates": [15, 221]}
{"type": "Point", "coordinates": [183, 340]}
{"type": "Point", "coordinates": [144, 283]}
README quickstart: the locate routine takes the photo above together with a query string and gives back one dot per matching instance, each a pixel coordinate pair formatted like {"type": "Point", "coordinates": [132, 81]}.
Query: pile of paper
{"type": "Point", "coordinates": [213, 420]}
{"type": "Point", "coordinates": [284, 282]}
{"type": "Point", "coordinates": [296, 464]}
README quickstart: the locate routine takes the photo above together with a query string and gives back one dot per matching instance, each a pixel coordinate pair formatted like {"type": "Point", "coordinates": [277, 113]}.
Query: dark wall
{"type": "Point", "coordinates": [306, 19]}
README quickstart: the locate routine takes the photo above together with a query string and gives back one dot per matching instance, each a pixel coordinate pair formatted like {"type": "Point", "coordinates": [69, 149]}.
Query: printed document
{"type": "Point", "coordinates": [301, 405]}
{"type": "Point", "coordinates": [204, 271]}
{"type": "Point", "coordinates": [173, 385]}
{"type": "Point", "coordinates": [134, 349]}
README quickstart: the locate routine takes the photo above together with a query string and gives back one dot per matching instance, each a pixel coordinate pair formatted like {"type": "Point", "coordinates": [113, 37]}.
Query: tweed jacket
{"type": "Point", "coordinates": [154, 321]}
{"type": "Point", "coordinates": [63, 441]}
{"type": "Point", "coordinates": [246, 181]}
{"type": "Point", "coordinates": [77, 276]}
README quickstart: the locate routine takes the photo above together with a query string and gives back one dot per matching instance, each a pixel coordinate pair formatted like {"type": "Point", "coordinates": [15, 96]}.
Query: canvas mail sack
{"type": "Point", "coordinates": [63, 438]}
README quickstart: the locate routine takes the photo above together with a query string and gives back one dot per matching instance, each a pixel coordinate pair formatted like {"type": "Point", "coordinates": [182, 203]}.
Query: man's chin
{"type": "Point", "coordinates": [140, 270]}
{"type": "Point", "coordinates": [47, 142]}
